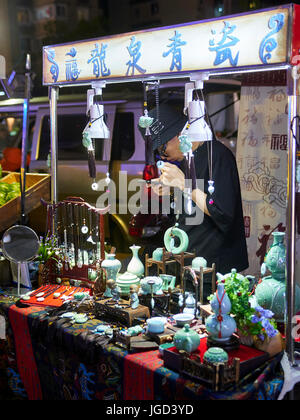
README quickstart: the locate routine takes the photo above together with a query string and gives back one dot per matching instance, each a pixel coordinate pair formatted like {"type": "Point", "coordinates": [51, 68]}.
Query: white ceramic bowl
{"type": "Point", "coordinates": [182, 319]}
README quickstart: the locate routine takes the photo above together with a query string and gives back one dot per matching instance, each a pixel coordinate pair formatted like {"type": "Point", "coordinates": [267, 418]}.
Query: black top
{"type": "Point", "coordinates": [220, 238]}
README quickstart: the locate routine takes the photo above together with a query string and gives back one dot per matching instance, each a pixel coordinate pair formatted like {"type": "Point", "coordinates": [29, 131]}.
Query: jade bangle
{"type": "Point", "coordinates": [181, 235]}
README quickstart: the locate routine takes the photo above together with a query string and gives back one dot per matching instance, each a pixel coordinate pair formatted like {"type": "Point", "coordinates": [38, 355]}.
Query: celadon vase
{"type": "Point", "coordinates": [112, 266]}
{"type": "Point", "coordinates": [221, 325]}
{"type": "Point", "coordinates": [135, 265]}
{"type": "Point", "coordinates": [271, 292]}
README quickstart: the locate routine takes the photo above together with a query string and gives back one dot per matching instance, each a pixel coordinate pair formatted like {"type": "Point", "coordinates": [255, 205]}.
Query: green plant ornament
{"type": "Point", "coordinates": [169, 240]}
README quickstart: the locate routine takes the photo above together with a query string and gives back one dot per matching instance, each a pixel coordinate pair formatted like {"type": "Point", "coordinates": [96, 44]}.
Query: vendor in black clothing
{"type": "Point", "coordinates": [220, 237]}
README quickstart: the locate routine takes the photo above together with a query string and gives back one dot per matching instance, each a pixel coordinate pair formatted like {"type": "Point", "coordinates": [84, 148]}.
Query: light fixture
{"type": "Point", "coordinates": [196, 127]}
{"type": "Point", "coordinates": [195, 130]}
{"type": "Point", "coordinates": [96, 127]}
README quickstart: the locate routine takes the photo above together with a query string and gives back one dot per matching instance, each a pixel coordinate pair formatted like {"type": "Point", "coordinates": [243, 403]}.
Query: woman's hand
{"type": "Point", "coordinates": [158, 188]}
{"type": "Point", "coordinates": [172, 176]}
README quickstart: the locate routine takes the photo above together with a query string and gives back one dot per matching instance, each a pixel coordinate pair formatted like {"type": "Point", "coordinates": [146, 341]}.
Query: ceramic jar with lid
{"type": "Point", "coordinates": [124, 281]}
{"type": "Point", "coordinates": [199, 262]}
{"type": "Point", "coordinates": [215, 355]}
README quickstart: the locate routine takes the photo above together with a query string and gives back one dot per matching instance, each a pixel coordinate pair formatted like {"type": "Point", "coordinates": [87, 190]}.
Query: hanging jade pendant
{"type": "Point", "coordinates": [211, 188]}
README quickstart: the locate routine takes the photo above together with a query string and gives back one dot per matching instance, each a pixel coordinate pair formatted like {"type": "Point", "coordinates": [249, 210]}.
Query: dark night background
{"type": "Point", "coordinates": [27, 25]}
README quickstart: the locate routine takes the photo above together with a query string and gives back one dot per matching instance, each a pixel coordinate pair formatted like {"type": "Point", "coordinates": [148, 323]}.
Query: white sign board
{"type": "Point", "coordinates": [255, 39]}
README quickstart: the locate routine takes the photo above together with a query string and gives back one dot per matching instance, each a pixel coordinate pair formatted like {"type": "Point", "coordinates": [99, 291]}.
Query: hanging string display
{"type": "Point", "coordinates": [186, 149]}
{"type": "Point", "coordinates": [146, 122]}
{"type": "Point", "coordinates": [89, 143]}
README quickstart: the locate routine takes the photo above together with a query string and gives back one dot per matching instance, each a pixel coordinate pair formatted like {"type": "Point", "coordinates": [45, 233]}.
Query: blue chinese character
{"type": "Point", "coordinates": [269, 44]}
{"type": "Point", "coordinates": [72, 71]}
{"type": "Point", "coordinates": [54, 69]}
{"type": "Point", "coordinates": [134, 52]}
{"type": "Point", "coordinates": [98, 60]}
{"type": "Point", "coordinates": [175, 50]}
{"type": "Point", "coordinates": [222, 48]}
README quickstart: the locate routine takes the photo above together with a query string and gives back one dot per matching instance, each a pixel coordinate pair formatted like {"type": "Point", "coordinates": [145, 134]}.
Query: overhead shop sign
{"type": "Point", "coordinates": [258, 38]}
{"type": "Point", "coordinates": [2, 67]}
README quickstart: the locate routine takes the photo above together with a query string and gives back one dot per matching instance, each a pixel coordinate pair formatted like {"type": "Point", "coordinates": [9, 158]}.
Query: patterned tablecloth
{"type": "Point", "coordinates": [46, 357]}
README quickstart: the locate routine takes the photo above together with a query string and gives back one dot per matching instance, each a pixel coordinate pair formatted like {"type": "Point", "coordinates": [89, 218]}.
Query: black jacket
{"type": "Point", "coordinates": [220, 238]}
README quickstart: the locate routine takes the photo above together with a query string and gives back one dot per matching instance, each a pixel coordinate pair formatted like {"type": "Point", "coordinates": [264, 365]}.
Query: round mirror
{"type": "Point", "coordinates": [20, 244]}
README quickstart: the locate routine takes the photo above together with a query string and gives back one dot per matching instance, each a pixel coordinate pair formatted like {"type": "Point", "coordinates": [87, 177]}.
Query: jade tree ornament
{"type": "Point", "coordinates": [169, 240]}
{"type": "Point", "coordinates": [270, 293]}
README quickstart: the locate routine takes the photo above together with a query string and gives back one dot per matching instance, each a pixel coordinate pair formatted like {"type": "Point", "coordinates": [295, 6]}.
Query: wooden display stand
{"type": "Point", "coordinates": [124, 314]}
{"type": "Point", "coordinates": [162, 303]}
{"type": "Point", "coordinates": [168, 258]}
{"type": "Point", "coordinates": [198, 276]}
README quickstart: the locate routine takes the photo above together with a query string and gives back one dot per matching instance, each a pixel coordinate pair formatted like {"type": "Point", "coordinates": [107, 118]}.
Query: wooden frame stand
{"type": "Point", "coordinates": [168, 258]}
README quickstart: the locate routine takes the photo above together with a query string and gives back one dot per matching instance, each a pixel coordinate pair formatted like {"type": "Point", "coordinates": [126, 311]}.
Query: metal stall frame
{"type": "Point", "coordinates": [54, 59]}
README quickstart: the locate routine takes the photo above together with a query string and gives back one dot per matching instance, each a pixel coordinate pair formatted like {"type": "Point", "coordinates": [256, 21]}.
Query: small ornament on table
{"type": "Point", "coordinates": [114, 290]}
{"type": "Point", "coordinates": [134, 299]}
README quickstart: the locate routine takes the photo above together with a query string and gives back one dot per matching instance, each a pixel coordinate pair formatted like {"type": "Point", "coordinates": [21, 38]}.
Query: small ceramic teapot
{"type": "Point", "coordinates": [187, 339]}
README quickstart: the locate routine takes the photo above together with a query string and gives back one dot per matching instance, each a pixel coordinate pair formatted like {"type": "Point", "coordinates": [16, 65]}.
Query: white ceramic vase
{"type": "Point", "coordinates": [136, 266]}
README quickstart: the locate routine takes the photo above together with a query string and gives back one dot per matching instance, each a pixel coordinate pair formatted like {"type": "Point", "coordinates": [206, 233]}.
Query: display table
{"type": "Point", "coordinates": [47, 357]}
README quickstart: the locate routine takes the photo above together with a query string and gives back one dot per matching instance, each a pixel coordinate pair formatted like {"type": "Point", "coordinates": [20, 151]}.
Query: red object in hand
{"type": "Point", "coordinates": [150, 172]}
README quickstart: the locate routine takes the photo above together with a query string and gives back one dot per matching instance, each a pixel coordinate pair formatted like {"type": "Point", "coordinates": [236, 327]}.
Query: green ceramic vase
{"type": "Point", "coordinates": [271, 292]}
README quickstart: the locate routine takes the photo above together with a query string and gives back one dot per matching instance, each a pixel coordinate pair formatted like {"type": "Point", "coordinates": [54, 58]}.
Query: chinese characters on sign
{"type": "Point", "coordinates": [72, 71]}
{"type": "Point", "coordinates": [175, 50]}
{"type": "Point", "coordinates": [135, 54]}
{"type": "Point", "coordinates": [98, 61]}
{"type": "Point", "coordinates": [279, 142]}
{"type": "Point", "coordinates": [191, 47]}
{"type": "Point", "coordinates": [223, 47]}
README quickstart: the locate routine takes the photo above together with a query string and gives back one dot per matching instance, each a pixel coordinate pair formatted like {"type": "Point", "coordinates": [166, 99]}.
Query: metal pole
{"type": "Point", "coordinates": [53, 141]}
{"type": "Point", "coordinates": [25, 132]}
{"type": "Point", "coordinates": [291, 220]}
{"type": "Point", "coordinates": [54, 150]}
